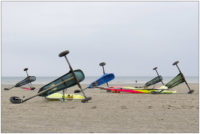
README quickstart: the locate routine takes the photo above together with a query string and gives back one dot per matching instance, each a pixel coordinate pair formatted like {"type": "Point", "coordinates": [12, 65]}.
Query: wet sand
{"type": "Point", "coordinates": [106, 112]}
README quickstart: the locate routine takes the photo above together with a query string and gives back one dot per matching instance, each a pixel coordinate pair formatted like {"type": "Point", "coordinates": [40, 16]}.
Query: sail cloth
{"type": "Point", "coordinates": [154, 81]}
{"type": "Point", "coordinates": [175, 81]}
{"type": "Point", "coordinates": [102, 80]}
{"type": "Point", "coordinates": [63, 82]}
{"type": "Point", "coordinates": [27, 80]}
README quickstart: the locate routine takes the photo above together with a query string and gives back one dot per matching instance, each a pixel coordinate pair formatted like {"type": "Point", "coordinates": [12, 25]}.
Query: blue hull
{"type": "Point", "coordinates": [102, 80]}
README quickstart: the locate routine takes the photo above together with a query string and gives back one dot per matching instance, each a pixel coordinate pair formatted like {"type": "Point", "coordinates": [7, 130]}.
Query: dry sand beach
{"type": "Point", "coordinates": [106, 112]}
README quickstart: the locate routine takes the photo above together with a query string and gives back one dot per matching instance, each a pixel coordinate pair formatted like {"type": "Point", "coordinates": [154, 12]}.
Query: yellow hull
{"type": "Point", "coordinates": [59, 96]}
{"type": "Point", "coordinates": [147, 91]}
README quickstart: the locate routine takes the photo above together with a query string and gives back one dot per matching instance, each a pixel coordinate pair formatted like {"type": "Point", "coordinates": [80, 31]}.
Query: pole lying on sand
{"type": "Point", "coordinates": [176, 64]}
{"type": "Point", "coordinates": [63, 54]}
{"type": "Point", "coordinates": [155, 68]}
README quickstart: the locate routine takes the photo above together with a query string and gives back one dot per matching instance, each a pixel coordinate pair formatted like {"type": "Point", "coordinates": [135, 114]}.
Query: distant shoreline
{"type": "Point", "coordinates": [96, 76]}
{"type": "Point", "coordinates": [90, 79]}
{"type": "Point", "coordinates": [86, 84]}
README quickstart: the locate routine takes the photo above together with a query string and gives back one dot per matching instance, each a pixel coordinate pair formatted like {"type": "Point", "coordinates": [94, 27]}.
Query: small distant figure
{"type": "Point", "coordinates": [136, 84]}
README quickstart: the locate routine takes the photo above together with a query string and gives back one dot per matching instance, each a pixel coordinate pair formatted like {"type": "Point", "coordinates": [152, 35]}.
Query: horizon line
{"type": "Point", "coordinates": [115, 76]}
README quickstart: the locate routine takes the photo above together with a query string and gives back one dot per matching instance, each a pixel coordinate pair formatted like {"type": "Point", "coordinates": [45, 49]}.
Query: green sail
{"type": "Point", "coordinates": [154, 81]}
{"type": "Point", "coordinates": [175, 81]}
{"type": "Point", "coordinates": [79, 75]}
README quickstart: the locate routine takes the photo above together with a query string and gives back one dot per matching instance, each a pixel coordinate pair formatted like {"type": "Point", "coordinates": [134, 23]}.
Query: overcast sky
{"type": "Point", "coordinates": [131, 37]}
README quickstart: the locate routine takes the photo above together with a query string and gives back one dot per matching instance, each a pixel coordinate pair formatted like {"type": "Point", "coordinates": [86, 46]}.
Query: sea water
{"type": "Point", "coordinates": [90, 79]}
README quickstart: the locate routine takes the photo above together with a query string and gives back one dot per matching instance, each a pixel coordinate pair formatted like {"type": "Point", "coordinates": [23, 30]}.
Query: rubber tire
{"type": "Point", "coordinates": [15, 100]}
